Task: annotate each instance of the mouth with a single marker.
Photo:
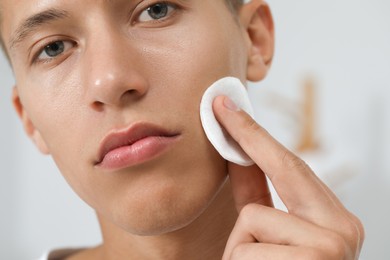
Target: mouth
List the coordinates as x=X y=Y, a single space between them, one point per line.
x=137 y=144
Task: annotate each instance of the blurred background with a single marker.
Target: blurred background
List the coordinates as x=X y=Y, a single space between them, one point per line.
x=326 y=97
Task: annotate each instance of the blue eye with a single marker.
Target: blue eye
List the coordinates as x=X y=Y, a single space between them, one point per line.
x=156 y=12
x=54 y=49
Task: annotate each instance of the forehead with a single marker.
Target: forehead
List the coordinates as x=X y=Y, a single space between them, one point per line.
x=12 y=12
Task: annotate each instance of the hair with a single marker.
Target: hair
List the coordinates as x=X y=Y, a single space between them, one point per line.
x=2 y=45
x=233 y=5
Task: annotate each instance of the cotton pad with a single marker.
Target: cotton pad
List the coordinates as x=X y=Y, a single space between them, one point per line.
x=227 y=147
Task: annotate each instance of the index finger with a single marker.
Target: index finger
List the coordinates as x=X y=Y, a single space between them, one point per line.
x=298 y=187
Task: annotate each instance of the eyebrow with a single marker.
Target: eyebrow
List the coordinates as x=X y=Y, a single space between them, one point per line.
x=35 y=21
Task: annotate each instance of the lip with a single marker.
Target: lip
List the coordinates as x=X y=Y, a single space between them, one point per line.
x=134 y=145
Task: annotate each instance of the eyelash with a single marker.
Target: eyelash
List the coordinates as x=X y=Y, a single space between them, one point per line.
x=172 y=8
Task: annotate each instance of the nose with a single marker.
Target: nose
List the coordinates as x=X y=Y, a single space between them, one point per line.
x=110 y=72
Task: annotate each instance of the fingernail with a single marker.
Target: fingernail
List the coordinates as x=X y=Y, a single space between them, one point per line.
x=229 y=104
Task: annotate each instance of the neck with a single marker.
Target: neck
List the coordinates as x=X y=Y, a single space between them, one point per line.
x=205 y=238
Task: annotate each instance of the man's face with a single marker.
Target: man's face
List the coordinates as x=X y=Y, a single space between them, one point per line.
x=87 y=69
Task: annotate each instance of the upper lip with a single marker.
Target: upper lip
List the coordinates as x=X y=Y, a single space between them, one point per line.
x=128 y=136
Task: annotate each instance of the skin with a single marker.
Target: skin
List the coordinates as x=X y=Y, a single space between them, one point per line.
x=114 y=73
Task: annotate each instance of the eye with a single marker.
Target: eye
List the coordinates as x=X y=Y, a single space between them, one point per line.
x=156 y=12
x=54 y=49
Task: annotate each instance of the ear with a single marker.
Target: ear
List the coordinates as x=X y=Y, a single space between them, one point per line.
x=28 y=125
x=256 y=19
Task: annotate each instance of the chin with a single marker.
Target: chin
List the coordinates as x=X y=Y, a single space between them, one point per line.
x=167 y=210
x=167 y=195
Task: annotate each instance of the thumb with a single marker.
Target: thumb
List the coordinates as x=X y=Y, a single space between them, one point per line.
x=249 y=185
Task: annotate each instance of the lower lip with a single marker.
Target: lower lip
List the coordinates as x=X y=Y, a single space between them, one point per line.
x=141 y=151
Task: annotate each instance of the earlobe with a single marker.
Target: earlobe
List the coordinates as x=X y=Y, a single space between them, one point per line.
x=28 y=125
x=256 y=18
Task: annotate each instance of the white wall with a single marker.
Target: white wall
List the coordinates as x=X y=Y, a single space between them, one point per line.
x=343 y=43
x=8 y=183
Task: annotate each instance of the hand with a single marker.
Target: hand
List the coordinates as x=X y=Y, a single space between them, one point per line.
x=317 y=226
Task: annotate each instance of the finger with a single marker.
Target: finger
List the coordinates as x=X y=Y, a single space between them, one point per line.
x=298 y=187
x=249 y=185
x=263 y=251
x=350 y=226
x=262 y=224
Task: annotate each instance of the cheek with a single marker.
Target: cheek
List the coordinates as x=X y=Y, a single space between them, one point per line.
x=55 y=108
x=188 y=61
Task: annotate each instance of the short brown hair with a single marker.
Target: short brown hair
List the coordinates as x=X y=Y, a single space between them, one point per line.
x=234 y=5
x=2 y=45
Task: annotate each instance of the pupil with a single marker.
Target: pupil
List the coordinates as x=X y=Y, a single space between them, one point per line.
x=158 y=11
x=54 y=49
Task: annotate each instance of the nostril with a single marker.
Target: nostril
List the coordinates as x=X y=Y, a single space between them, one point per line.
x=98 y=106
x=131 y=94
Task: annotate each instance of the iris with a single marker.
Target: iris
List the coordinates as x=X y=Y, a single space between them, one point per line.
x=54 y=49
x=158 y=11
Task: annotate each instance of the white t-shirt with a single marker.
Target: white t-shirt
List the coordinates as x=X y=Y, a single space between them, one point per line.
x=59 y=254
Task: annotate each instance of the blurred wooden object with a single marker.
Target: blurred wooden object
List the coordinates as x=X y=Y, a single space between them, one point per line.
x=308 y=140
